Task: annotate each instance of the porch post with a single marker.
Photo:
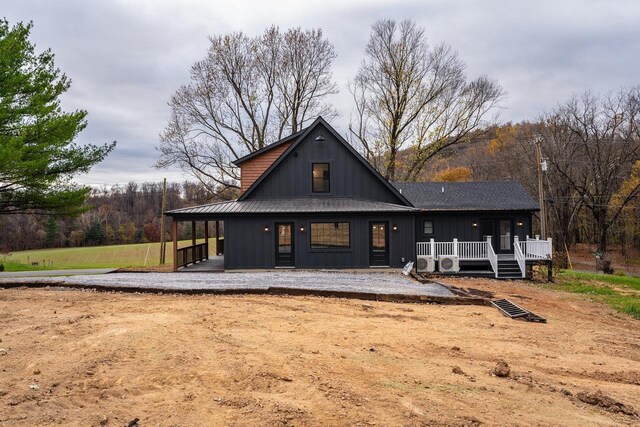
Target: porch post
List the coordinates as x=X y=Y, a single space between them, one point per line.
x=455 y=246
x=206 y=239
x=433 y=247
x=217 y=237
x=174 y=232
x=193 y=233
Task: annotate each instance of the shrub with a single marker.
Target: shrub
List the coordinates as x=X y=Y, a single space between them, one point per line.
x=1 y=267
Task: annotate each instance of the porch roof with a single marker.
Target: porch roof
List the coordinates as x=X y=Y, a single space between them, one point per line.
x=299 y=205
x=468 y=196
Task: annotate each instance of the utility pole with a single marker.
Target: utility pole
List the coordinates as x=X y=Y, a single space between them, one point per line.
x=163 y=243
x=542 y=166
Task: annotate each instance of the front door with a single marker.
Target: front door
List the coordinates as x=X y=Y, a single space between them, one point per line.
x=501 y=232
x=505 y=236
x=378 y=244
x=284 y=245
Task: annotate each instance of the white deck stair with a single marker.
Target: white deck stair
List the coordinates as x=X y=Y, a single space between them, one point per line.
x=504 y=266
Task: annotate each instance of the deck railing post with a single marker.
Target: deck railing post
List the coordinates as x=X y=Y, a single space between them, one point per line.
x=433 y=247
x=206 y=240
x=455 y=246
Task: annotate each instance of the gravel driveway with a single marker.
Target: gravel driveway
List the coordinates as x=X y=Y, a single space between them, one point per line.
x=380 y=283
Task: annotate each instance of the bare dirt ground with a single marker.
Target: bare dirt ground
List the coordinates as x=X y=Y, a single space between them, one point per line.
x=96 y=358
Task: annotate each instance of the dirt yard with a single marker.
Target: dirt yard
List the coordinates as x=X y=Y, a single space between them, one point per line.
x=95 y=358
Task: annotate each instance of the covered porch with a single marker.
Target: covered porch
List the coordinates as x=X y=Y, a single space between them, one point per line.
x=449 y=255
x=197 y=256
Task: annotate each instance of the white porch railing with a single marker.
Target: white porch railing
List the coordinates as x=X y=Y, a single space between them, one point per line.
x=519 y=256
x=535 y=249
x=466 y=251
x=491 y=255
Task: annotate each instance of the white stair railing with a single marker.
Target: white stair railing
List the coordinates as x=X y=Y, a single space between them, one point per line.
x=493 y=258
x=519 y=256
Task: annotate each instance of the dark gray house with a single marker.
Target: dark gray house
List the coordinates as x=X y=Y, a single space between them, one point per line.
x=311 y=201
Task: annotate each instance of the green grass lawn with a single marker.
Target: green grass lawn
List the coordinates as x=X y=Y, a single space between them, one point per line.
x=116 y=256
x=620 y=292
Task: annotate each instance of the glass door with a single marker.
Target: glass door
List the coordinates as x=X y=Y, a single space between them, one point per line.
x=284 y=245
x=378 y=244
x=506 y=235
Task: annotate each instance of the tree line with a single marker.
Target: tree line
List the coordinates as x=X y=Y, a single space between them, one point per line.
x=117 y=215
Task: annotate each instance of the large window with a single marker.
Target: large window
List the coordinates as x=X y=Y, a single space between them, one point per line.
x=329 y=235
x=320 y=177
x=427 y=227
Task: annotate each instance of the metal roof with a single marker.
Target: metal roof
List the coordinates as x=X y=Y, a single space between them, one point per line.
x=300 y=205
x=467 y=196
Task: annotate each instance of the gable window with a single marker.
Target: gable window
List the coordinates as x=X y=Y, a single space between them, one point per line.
x=330 y=235
x=427 y=227
x=320 y=178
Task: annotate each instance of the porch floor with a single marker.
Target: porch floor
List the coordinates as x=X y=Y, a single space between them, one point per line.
x=213 y=264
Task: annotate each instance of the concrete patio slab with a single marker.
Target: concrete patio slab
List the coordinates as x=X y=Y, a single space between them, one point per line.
x=369 y=283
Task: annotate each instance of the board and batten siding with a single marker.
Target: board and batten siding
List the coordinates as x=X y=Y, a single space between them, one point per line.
x=348 y=176
x=459 y=225
x=253 y=168
x=248 y=246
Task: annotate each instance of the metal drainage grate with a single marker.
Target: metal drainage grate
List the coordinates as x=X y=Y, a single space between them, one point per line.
x=514 y=311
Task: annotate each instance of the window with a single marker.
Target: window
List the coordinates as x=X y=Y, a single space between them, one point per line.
x=427 y=227
x=330 y=235
x=320 y=177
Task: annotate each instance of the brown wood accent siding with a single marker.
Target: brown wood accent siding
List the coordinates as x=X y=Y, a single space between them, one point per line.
x=252 y=169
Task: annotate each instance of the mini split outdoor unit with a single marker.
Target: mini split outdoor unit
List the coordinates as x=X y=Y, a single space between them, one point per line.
x=449 y=264
x=425 y=264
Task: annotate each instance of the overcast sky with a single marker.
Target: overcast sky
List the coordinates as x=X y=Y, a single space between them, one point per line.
x=126 y=58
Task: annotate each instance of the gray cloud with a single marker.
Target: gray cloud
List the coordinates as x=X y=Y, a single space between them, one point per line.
x=126 y=58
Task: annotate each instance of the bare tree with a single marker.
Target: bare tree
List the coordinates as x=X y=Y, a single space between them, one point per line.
x=246 y=93
x=593 y=143
x=408 y=94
